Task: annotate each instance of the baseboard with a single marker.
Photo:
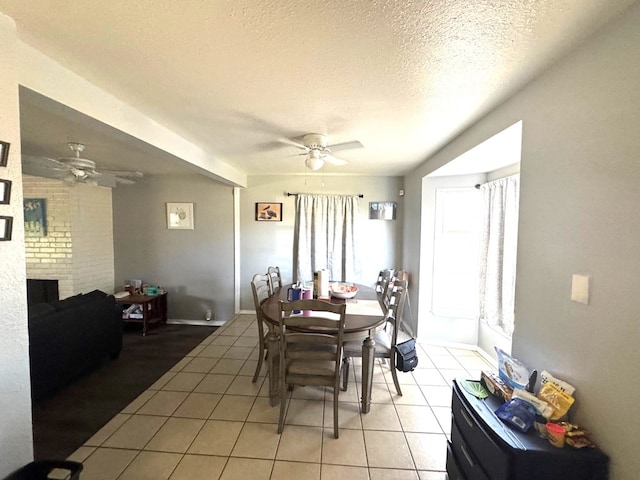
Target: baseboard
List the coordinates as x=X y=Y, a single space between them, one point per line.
x=180 y=321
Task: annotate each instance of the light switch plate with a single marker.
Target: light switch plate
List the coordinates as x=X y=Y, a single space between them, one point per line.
x=580 y=288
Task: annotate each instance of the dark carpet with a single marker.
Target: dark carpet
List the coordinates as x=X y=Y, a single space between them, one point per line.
x=63 y=421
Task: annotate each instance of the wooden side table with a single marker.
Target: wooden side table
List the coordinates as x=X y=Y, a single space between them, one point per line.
x=154 y=309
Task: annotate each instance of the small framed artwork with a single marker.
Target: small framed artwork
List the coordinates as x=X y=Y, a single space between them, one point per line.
x=5 y=192
x=4 y=153
x=35 y=217
x=180 y=216
x=6 y=225
x=382 y=210
x=268 y=212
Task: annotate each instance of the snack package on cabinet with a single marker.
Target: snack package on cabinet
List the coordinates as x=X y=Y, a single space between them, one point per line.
x=560 y=401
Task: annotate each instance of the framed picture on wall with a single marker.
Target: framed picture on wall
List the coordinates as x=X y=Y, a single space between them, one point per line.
x=35 y=217
x=4 y=154
x=180 y=216
x=6 y=225
x=268 y=212
x=382 y=210
x=5 y=192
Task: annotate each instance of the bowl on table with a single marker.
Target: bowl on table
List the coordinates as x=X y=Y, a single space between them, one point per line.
x=343 y=289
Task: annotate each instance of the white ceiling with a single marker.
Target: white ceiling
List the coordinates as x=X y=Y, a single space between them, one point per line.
x=234 y=76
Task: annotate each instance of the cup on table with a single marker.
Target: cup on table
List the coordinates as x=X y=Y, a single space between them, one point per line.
x=556 y=434
x=307 y=294
x=294 y=293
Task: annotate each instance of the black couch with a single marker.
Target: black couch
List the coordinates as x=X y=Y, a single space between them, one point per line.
x=71 y=336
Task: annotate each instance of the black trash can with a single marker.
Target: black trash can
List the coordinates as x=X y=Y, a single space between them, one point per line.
x=48 y=469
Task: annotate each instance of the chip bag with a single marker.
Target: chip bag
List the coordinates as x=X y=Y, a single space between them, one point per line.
x=560 y=401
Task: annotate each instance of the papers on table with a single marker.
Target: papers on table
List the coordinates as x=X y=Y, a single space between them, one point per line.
x=364 y=307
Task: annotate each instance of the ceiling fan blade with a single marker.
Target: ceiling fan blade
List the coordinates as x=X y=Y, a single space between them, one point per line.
x=334 y=160
x=124 y=173
x=292 y=143
x=44 y=162
x=338 y=147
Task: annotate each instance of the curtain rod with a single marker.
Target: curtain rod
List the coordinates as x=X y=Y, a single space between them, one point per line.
x=289 y=194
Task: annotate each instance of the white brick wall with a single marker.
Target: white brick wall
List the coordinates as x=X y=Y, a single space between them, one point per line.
x=78 y=248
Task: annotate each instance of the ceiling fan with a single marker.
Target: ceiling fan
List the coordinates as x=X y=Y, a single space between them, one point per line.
x=317 y=151
x=76 y=169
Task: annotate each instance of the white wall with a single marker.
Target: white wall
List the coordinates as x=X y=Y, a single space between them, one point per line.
x=16 y=446
x=265 y=243
x=195 y=266
x=579 y=202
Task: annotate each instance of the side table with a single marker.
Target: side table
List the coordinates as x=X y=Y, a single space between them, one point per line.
x=154 y=309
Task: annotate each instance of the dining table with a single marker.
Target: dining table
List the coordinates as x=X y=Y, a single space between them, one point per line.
x=364 y=316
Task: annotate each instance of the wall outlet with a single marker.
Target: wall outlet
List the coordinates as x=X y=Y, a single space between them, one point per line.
x=207 y=316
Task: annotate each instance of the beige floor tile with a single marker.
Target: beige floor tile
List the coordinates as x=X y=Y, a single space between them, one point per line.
x=437 y=396
x=429 y=450
x=257 y=440
x=387 y=450
x=348 y=415
x=428 y=376
x=151 y=466
x=200 y=365
x=107 y=463
x=81 y=454
x=378 y=374
x=302 y=444
x=411 y=395
x=447 y=361
x=180 y=365
x=175 y=435
x=249 y=368
x=224 y=340
x=379 y=393
x=451 y=374
x=214 y=383
x=162 y=381
x=304 y=412
x=213 y=351
x=295 y=470
x=227 y=366
x=184 y=382
x=163 y=403
x=233 y=407
x=238 y=353
x=235 y=331
x=309 y=393
x=198 y=405
x=106 y=431
x=217 y=437
x=247 y=468
x=418 y=419
x=138 y=402
x=382 y=416
x=199 y=467
x=135 y=432
x=391 y=474
x=196 y=351
x=246 y=342
x=263 y=412
x=349 y=449
x=426 y=475
x=443 y=414
x=351 y=395
x=341 y=472
x=242 y=385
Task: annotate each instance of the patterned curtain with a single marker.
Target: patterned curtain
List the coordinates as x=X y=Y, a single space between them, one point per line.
x=325 y=236
x=498 y=252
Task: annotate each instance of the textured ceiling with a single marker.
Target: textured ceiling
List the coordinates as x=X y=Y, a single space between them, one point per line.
x=403 y=77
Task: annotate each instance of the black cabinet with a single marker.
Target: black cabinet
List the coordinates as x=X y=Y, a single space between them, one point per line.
x=484 y=448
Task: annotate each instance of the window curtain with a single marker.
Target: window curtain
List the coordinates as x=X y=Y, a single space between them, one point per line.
x=498 y=252
x=325 y=236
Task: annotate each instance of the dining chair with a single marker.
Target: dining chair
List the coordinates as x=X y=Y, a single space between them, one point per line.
x=309 y=354
x=275 y=278
x=261 y=288
x=386 y=284
x=385 y=340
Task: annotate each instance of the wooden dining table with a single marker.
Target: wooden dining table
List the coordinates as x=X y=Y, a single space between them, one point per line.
x=364 y=317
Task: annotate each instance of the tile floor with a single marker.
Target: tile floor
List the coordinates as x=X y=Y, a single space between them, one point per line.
x=204 y=419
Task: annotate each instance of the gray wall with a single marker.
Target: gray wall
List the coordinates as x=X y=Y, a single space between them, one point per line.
x=579 y=197
x=268 y=243
x=195 y=266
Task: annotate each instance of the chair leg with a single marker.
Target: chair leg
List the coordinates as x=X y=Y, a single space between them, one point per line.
x=335 y=411
x=261 y=356
x=283 y=404
x=345 y=373
x=394 y=373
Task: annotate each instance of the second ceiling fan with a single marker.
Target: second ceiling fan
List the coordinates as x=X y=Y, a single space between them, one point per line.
x=318 y=151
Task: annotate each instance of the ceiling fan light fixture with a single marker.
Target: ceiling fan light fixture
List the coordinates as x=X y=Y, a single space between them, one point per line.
x=314 y=160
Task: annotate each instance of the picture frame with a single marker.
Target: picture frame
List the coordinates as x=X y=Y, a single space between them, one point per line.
x=268 y=212
x=35 y=217
x=4 y=153
x=5 y=192
x=6 y=227
x=180 y=216
x=382 y=210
